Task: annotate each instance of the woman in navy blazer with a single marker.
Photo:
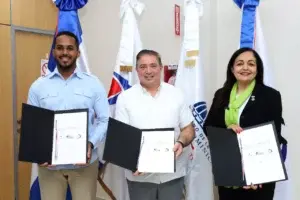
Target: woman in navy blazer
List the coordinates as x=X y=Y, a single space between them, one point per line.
x=255 y=103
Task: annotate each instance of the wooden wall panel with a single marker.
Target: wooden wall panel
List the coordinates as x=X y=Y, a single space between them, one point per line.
x=39 y=14
x=30 y=49
x=5 y=12
x=6 y=116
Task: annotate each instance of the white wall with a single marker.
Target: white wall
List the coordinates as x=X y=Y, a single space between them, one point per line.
x=101 y=24
x=220 y=28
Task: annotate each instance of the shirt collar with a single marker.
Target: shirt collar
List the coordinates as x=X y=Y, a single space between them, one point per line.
x=77 y=72
x=145 y=91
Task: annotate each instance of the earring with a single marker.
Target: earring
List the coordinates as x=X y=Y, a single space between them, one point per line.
x=252 y=98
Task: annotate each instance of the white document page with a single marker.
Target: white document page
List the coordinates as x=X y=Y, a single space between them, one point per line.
x=156 y=154
x=260 y=156
x=70 y=138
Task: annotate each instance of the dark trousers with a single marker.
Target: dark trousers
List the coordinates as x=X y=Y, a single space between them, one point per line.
x=172 y=190
x=264 y=193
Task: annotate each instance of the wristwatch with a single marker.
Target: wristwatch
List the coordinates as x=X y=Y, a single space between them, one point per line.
x=180 y=143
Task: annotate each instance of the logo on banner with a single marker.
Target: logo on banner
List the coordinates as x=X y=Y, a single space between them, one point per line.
x=199 y=111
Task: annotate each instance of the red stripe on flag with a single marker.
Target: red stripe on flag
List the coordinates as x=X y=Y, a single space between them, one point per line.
x=115 y=88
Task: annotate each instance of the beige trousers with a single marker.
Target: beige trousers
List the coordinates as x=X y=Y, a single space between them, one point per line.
x=83 y=183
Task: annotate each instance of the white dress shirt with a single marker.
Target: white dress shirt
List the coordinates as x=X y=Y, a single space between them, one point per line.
x=167 y=109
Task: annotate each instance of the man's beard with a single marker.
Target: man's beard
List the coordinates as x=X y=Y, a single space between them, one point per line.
x=66 y=68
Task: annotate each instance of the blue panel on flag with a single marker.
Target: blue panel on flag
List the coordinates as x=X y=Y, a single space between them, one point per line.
x=117 y=86
x=248 y=21
x=124 y=82
x=35 y=193
x=68 y=5
x=68 y=20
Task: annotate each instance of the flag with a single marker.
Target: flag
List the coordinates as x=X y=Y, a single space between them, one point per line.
x=252 y=36
x=199 y=181
x=67 y=21
x=124 y=76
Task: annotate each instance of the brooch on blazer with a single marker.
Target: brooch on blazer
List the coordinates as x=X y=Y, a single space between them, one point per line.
x=252 y=98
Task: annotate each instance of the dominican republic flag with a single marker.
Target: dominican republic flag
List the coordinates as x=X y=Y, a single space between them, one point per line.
x=252 y=36
x=124 y=76
x=67 y=21
x=190 y=78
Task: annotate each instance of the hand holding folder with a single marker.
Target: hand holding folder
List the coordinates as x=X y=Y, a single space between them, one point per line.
x=149 y=151
x=156 y=153
x=89 y=154
x=53 y=137
x=178 y=149
x=249 y=158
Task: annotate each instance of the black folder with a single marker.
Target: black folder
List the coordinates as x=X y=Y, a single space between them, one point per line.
x=225 y=157
x=123 y=144
x=36 y=138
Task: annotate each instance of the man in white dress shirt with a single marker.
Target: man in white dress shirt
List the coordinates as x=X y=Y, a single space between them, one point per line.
x=155 y=104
